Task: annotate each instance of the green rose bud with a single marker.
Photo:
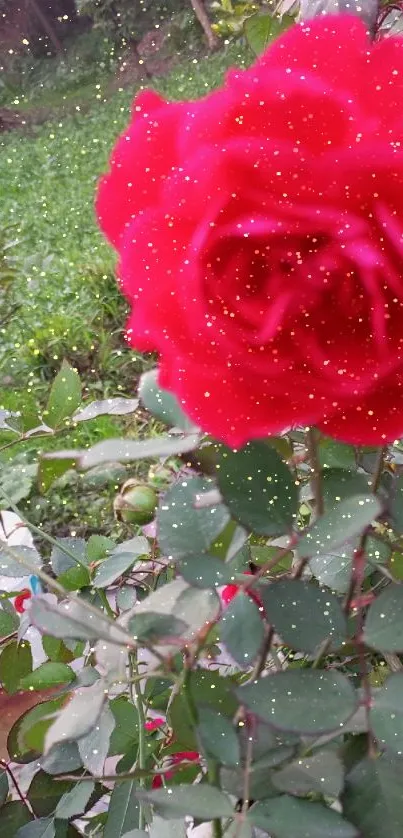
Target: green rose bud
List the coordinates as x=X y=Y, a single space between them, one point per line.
x=136 y=503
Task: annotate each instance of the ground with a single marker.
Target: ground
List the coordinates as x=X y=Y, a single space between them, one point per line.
x=59 y=297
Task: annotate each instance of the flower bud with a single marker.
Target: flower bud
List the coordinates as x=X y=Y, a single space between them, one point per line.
x=136 y=503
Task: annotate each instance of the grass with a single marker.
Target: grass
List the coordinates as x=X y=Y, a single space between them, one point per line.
x=66 y=287
x=63 y=272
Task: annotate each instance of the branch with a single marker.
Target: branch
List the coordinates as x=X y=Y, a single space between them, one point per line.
x=202 y=17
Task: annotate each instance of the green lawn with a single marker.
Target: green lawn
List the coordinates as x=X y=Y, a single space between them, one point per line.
x=69 y=303
x=63 y=284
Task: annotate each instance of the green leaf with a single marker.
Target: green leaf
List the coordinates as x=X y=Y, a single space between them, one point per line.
x=123 y=811
x=15 y=663
x=347 y=520
x=9 y=622
x=301 y=700
x=288 y=817
x=75 y=578
x=61 y=561
x=51 y=470
x=241 y=629
x=166 y=829
x=13 y=816
x=200 y=801
x=126 y=732
x=386 y=714
x=218 y=736
x=94 y=747
x=106 y=407
x=112 y=569
x=303 y=614
x=373 y=797
x=151 y=626
x=205 y=571
x=56 y=650
x=16 y=480
x=194 y=607
x=184 y=530
x=206 y=687
x=71 y=620
x=119 y=562
x=62 y=758
x=44 y=793
x=333 y=454
x=260 y=29
x=160 y=403
x=3 y=787
x=26 y=738
x=64 y=396
x=126 y=597
x=383 y=628
x=339 y=484
x=98 y=546
x=333 y=570
x=77 y=717
x=127 y=450
x=41 y=828
x=321 y=773
x=47 y=675
x=258 y=488
x=260 y=786
x=16 y=561
x=75 y=801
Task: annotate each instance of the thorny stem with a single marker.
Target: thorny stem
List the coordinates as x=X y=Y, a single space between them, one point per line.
x=264 y=652
x=247 y=769
x=316 y=480
x=268 y=566
x=137 y=698
x=355 y=590
x=24 y=800
x=214 y=778
x=355 y=584
x=358 y=574
x=376 y=477
x=212 y=765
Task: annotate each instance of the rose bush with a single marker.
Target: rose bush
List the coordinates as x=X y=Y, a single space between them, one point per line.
x=259 y=233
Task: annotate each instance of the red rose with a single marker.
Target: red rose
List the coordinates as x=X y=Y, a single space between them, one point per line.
x=154 y=724
x=20 y=600
x=230 y=591
x=260 y=236
x=175 y=759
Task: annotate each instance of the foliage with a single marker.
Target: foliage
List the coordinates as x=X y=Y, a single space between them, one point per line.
x=267 y=699
x=239 y=658
x=127 y=21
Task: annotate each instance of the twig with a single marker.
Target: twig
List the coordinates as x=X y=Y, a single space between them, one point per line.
x=212 y=765
x=137 y=698
x=14 y=780
x=355 y=579
x=263 y=654
x=248 y=764
x=250 y=581
x=316 y=479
